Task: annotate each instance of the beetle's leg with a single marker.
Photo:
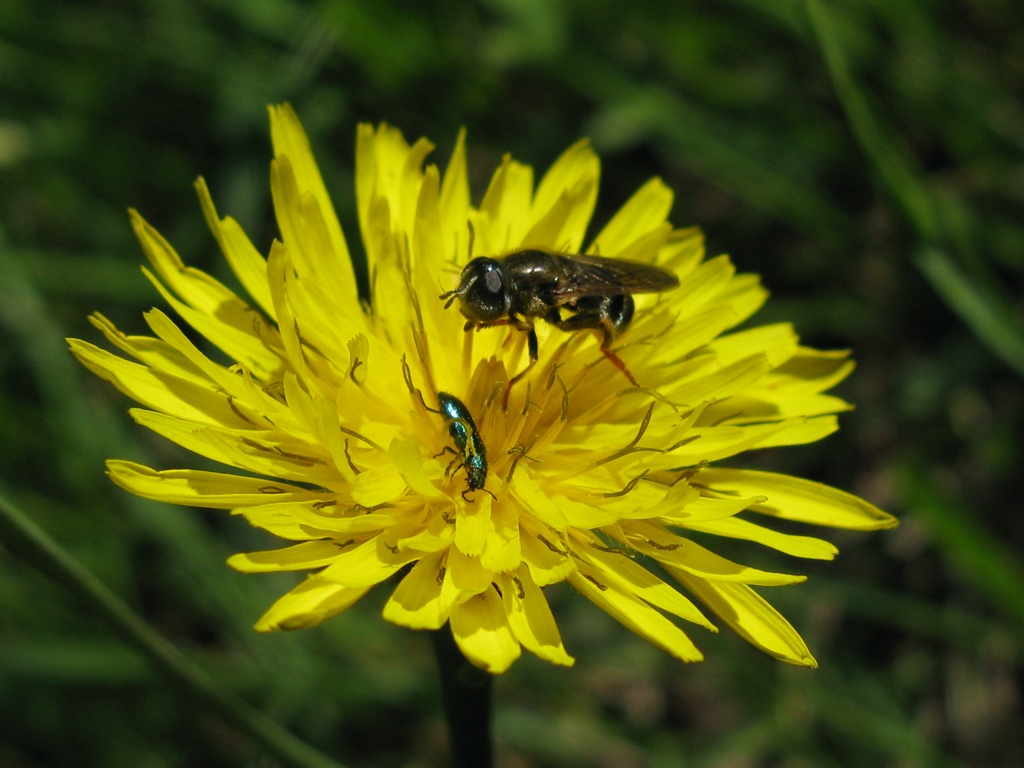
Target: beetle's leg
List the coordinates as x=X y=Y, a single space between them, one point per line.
x=448 y=471
x=470 y=490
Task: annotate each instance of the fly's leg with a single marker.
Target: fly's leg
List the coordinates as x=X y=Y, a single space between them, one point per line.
x=532 y=347
x=531 y=343
x=617 y=362
x=609 y=315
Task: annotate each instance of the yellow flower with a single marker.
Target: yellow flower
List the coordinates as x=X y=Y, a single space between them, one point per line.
x=328 y=404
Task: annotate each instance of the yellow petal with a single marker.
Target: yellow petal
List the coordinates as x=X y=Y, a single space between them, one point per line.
x=194 y=488
x=378 y=485
x=563 y=225
x=246 y=262
x=722 y=383
x=196 y=288
x=298 y=557
x=821 y=370
x=689 y=334
x=312 y=602
x=154 y=353
x=777 y=342
x=793 y=498
x=714 y=443
x=435 y=325
x=530 y=618
x=454 y=203
x=701 y=286
x=325 y=295
x=533 y=499
x=482 y=632
x=405 y=455
x=229 y=381
x=365 y=564
x=279 y=520
x=800 y=432
x=645 y=250
x=797 y=546
x=254 y=451
x=703 y=509
x=761 y=403
x=582 y=515
x=416 y=601
x=290 y=141
x=637 y=616
x=682 y=553
x=616 y=570
x=646 y=210
x=473 y=526
x=301 y=521
x=744 y=294
x=214 y=311
x=468 y=577
x=570 y=188
x=158 y=390
x=750 y=616
x=507 y=207
x=683 y=251
x=548 y=560
x=503 y=549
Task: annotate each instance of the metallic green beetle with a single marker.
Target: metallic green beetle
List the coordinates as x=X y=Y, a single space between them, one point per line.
x=472 y=456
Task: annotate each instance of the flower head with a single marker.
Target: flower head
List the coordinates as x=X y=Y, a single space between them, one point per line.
x=385 y=440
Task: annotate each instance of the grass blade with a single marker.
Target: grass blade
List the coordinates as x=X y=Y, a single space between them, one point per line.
x=26 y=539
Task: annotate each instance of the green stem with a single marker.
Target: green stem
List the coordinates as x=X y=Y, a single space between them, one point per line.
x=466 y=693
x=31 y=543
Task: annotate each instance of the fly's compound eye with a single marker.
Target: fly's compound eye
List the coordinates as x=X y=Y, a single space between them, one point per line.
x=486 y=297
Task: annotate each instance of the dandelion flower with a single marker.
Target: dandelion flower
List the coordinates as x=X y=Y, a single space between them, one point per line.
x=324 y=408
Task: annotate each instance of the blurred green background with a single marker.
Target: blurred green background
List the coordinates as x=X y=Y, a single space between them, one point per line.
x=867 y=158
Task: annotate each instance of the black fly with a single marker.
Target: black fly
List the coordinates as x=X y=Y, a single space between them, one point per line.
x=537 y=284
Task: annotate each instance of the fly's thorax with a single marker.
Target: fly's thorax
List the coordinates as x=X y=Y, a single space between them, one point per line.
x=533 y=277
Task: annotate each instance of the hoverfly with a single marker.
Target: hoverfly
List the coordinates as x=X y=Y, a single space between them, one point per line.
x=534 y=284
x=471 y=454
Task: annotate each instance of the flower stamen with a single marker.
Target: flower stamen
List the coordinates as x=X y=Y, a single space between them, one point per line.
x=307 y=461
x=595 y=582
x=628 y=487
x=547 y=543
x=631 y=446
x=358 y=436
x=233 y=405
x=520 y=592
x=519 y=452
x=348 y=458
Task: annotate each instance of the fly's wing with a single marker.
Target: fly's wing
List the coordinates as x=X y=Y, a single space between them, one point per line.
x=583 y=275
